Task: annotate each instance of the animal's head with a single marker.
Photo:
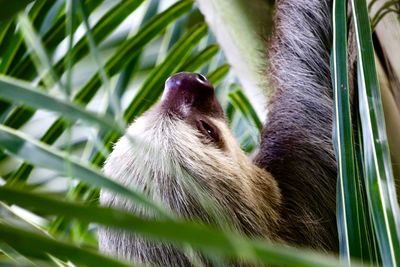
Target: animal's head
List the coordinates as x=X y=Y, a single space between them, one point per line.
x=182 y=153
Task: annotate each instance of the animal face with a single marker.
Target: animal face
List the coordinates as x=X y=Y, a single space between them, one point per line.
x=190 y=98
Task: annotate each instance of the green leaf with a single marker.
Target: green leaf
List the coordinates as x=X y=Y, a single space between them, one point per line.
x=5 y=31
x=371 y=242
x=121 y=57
x=24 y=67
x=11 y=46
x=209 y=240
x=71 y=10
x=113 y=102
x=14 y=43
x=101 y=30
x=20 y=92
x=39 y=55
x=378 y=170
x=39 y=154
x=242 y=103
x=36 y=245
x=11 y=8
x=150 y=30
x=218 y=74
x=128 y=71
x=349 y=202
x=15 y=61
x=200 y=59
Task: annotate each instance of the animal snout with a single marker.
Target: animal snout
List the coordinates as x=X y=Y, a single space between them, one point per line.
x=186 y=93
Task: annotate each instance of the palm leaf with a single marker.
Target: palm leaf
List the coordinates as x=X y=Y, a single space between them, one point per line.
x=39 y=154
x=38 y=246
x=349 y=207
x=21 y=92
x=378 y=170
x=204 y=238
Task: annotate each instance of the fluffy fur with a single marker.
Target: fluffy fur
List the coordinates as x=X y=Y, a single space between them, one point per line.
x=296 y=143
x=286 y=194
x=170 y=161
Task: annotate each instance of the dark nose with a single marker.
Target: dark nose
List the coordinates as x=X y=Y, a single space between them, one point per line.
x=187 y=92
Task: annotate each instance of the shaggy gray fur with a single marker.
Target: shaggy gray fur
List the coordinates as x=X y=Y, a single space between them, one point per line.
x=296 y=142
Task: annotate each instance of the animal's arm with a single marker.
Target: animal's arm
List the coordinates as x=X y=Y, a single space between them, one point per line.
x=296 y=144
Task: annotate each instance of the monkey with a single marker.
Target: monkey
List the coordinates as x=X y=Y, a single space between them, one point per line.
x=181 y=152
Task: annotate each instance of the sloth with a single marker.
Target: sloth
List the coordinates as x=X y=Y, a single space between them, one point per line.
x=181 y=152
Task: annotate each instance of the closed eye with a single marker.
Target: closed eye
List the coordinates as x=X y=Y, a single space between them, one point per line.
x=209 y=131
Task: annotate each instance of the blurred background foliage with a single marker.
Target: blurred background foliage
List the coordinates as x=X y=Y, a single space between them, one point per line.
x=74 y=73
